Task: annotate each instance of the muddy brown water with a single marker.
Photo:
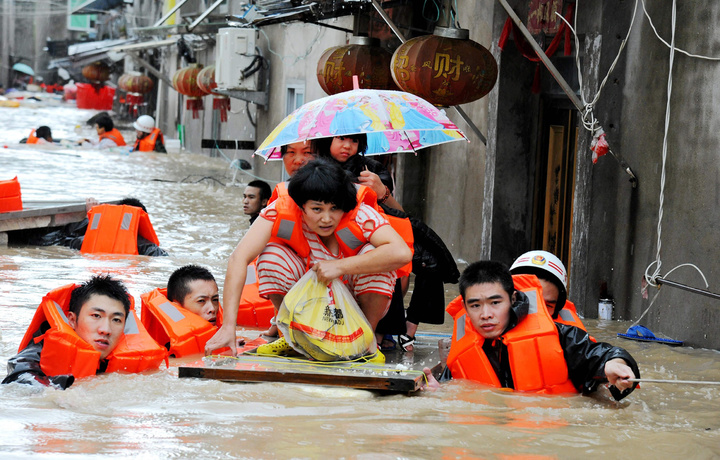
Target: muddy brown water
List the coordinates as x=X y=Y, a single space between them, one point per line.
x=157 y=415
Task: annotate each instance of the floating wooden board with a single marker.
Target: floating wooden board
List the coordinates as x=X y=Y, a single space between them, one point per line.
x=402 y=372
x=37 y=214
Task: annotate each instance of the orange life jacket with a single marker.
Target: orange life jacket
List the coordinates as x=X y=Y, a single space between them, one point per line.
x=536 y=359
x=169 y=323
x=254 y=311
x=279 y=190
x=147 y=143
x=367 y=196
x=113 y=229
x=32 y=138
x=114 y=135
x=64 y=352
x=10 y=196
x=568 y=315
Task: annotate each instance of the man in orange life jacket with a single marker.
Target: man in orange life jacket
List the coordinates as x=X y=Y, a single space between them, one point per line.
x=72 y=235
x=149 y=138
x=495 y=309
x=42 y=135
x=108 y=135
x=195 y=289
x=98 y=310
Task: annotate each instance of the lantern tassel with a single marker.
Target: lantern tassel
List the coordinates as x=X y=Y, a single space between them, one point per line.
x=223 y=105
x=134 y=99
x=195 y=104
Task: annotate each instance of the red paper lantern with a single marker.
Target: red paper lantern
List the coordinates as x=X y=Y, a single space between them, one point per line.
x=363 y=57
x=135 y=83
x=206 y=82
x=185 y=82
x=445 y=68
x=96 y=72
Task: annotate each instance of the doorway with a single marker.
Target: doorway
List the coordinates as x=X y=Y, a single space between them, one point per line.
x=555 y=181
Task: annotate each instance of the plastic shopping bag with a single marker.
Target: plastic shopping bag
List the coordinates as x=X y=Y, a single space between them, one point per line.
x=325 y=322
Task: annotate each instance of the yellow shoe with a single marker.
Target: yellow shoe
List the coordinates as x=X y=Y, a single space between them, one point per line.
x=376 y=358
x=276 y=348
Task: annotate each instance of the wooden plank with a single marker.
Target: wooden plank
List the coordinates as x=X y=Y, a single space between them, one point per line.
x=402 y=372
x=38 y=214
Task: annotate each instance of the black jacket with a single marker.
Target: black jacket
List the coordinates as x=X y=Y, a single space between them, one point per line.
x=25 y=367
x=72 y=235
x=357 y=164
x=585 y=359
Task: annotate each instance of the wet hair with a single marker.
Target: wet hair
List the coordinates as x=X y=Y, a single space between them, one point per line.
x=99 y=285
x=313 y=143
x=105 y=122
x=179 y=281
x=130 y=201
x=324 y=144
x=265 y=191
x=486 y=271
x=44 y=132
x=324 y=181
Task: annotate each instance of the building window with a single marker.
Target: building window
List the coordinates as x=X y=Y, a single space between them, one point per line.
x=295 y=97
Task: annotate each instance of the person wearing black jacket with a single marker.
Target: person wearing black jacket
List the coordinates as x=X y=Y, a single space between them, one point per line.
x=495 y=308
x=98 y=310
x=72 y=235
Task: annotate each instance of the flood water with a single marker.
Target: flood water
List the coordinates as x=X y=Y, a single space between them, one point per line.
x=158 y=415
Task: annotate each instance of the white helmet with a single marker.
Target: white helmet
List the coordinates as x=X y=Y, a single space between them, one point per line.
x=144 y=123
x=541 y=263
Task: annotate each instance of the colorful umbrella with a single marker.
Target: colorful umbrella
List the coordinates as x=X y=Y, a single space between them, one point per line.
x=23 y=68
x=394 y=121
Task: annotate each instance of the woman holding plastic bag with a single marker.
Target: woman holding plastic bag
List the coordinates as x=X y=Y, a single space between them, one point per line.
x=322 y=227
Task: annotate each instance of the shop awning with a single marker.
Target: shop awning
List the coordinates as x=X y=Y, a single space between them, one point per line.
x=82 y=54
x=96 y=6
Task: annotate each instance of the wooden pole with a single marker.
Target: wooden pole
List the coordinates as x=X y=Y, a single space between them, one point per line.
x=679 y=382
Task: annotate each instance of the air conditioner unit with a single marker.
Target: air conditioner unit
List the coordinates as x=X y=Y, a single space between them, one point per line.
x=235 y=52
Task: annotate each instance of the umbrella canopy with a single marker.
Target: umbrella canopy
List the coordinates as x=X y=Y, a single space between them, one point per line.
x=394 y=121
x=23 y=68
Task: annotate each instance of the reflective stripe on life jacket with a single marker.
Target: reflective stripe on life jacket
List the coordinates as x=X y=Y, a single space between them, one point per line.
x=32 y=138
x=568 y=315
x=178 y=329
x=10 y=196
x=113 y=229
x=536 y=359
x=64 y=352
x=147 y=143
x=115 y=136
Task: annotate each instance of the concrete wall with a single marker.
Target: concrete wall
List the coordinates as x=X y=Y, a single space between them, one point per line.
x=615 y=225
x=692 y=185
